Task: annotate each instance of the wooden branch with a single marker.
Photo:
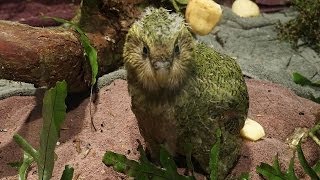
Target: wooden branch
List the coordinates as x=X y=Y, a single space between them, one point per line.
x=42 y=56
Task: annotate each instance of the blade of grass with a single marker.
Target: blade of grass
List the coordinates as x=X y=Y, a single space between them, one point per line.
x=290 y=173
x=25 y=146
x=23 y=170
x=300 y=79
x=53 y=113
x=307 y=169
x=184 y=2
x=268 y=172
x=316 y=167
x=92 y=55
x=214 y=157
x=89 y=49
x=139 y=170
x=276 y=166
x=67 y=173
x=167 y=162
x=244 y=176
x=189 y=159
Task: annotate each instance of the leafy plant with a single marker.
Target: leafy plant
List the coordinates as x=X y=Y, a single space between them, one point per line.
x=303 y=81
x=53 y=112
x=305 y=26
x=214 y=157
x=179 y=4
x=67 y=173
x=89 y=50
x=274 y=172
x=91 y=54
x=244 y=176
x=144 y=169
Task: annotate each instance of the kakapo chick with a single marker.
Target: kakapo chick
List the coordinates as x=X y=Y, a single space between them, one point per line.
x=183 y=91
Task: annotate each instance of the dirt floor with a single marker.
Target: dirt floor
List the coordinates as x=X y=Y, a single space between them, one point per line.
x=31 y=12
x=278 y=109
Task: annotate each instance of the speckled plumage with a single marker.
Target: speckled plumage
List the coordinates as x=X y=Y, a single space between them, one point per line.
x=182 y=91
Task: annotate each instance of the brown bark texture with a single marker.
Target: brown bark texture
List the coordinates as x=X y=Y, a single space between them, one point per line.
x=42 y=56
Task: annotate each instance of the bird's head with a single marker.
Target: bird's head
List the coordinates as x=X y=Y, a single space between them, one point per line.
x=158 y=50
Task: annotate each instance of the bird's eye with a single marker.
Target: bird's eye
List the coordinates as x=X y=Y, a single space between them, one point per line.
x=145 y=51
x=176 y=49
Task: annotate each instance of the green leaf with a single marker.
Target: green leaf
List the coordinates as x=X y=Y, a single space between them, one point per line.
x=53 y=113
x=299 y=79
x=276 y=166
x=140 y=170
x=118 y=161
x=188 y=157
x=67 y=173
x=143 y=157
x=268 y=171
x=317 y=100
x=306 y=167
x=290 y=173
x=23 y=165
x=214 y=157
x=316 y=167
x=167 y=162
x=244 y=176
x=184 y=2
x=23 y=170
x=25 y=146
x=15 y=164
x=91 y=54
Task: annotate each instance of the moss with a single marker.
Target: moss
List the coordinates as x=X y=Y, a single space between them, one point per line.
x=305 y=27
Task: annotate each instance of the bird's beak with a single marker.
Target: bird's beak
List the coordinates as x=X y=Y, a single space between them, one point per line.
x=157 y=65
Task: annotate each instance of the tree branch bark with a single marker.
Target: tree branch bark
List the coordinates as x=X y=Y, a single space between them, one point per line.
x=42 y=56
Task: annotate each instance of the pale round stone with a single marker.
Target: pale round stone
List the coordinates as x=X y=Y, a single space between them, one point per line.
x=252 y=130
x=202 y=15
x=245 y=8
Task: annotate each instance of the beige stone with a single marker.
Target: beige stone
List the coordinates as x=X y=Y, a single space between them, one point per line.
x=245 y=8
x=252 y=130
x=203 y=15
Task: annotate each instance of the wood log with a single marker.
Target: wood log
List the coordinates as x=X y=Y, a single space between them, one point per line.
x=42 y=56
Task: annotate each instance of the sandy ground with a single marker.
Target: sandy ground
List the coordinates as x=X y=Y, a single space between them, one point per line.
x=278 y=109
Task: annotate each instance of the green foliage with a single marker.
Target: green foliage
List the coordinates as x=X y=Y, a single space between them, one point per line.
x=178 y=5
x=22 y=143
x=53 y=112
x=274 y=172
x=316 y=168
x=303 y=81
x=214 y=157
x=244 y=176
x=23 y=165
x=23 y=169
x=306 y=167
x=144 y=169
x=184 y=2
x=67 y=173
x=306 y=26
x=90 y=51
